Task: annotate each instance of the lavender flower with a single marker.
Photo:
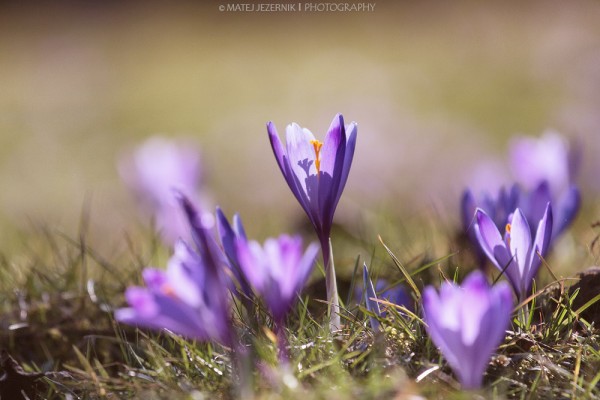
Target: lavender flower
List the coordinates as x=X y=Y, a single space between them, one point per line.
x=516 y=253
x=468 y=323
x=316 y=173
x=184 y=299
x=277 y=271
x=189 y=298
x=154 y=171
x=546 y=167
x=547 y=158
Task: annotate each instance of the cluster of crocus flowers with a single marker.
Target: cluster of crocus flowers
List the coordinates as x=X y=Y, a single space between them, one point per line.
x=468 y=323
x=155 y=171
x=544 y=170
x=316 y=173
x=191 y=296
x=516 y=253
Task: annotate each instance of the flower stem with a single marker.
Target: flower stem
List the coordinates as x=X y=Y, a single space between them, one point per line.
x=333 y=300
x=282 y=343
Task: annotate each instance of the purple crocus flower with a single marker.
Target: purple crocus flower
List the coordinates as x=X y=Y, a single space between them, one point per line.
x=277 y=271
x=189 y=298
x=547 y=158
x=184 y=299
x=154 y=171
x=516 y=253
x=546 y=167
x=468 y=323
x=316 y=173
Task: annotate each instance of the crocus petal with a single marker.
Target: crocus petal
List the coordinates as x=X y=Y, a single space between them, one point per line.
x=566 y=209
x=474 y=304
x=520 y=245
x=334 y=140
x=467 y=208
x=250 y=256
x=301 y=153
x=332 y=155
x=351 y=133
x=535 y=204
x=490 y=240
x=540 y=245
x=284 y=165
x=448 y=340
x=305 y=266
x=154 y=278
x=168 y=314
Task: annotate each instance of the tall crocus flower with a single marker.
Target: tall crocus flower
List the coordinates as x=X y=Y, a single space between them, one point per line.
x=517 y=254
x=189 y=298
x=277 y=270
x=468 y=323
x=316 y=173
x=154 y=172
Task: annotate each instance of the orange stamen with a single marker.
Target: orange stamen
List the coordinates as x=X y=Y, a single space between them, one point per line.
x=317 y=145
x=507 y=228
x=168 y=290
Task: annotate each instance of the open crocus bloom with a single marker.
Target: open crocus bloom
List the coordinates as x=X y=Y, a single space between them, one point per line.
x=515 y=253
x=468 y=323
x=278 y=270
x=316 y=171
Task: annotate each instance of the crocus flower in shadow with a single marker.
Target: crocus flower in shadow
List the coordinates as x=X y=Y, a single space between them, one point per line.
x=191 y=297
x=186 y=299
x=316 y=173
x=229 y=234
x=277 y=271
x=468 y=323
x=516 y=253
x=565 y=207
x=154 y=171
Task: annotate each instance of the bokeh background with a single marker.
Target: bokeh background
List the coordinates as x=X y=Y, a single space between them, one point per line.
x=437 y=88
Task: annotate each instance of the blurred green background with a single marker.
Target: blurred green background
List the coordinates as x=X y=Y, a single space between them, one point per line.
x=436 y=88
